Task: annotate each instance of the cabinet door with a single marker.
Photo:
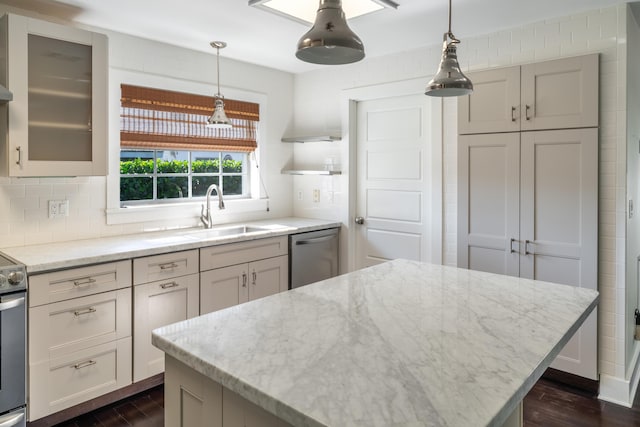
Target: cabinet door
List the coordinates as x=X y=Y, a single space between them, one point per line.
x=268 y=277
x=488 y=187
x=494 y=105
x=58 y=116
x=190 y=398
x=159 y=304
x=559 y=225
x=560 y=94
x=223 y=287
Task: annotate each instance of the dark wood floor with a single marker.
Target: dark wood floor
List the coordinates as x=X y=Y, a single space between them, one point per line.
x=549 y=404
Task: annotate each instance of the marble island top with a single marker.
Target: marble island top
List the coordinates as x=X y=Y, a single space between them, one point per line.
x=399 y=344
x=53 y=256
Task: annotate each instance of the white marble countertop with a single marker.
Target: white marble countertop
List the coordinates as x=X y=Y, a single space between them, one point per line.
x=54 y=256
x=399 y=344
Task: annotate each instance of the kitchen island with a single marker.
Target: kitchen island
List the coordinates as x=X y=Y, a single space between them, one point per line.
x=402 y=343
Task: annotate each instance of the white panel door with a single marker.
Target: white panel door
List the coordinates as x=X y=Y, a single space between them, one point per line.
x=559 y=225
x=488 y=202
x=394 y=183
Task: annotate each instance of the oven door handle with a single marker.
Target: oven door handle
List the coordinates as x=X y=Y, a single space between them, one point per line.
x=7 y=305
x=11 y=420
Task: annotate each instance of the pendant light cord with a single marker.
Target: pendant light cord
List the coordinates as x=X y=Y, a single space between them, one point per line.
x=218 y=67
x=449 y=34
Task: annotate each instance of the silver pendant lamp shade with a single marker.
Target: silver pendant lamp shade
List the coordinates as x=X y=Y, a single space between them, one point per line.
x=218 y=119
x=330 y=41
x=449 y=80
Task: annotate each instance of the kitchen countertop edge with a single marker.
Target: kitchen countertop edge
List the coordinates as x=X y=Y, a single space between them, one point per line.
x=48 y=257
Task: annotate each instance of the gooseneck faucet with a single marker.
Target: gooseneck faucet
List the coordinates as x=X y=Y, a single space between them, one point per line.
x=205 y=216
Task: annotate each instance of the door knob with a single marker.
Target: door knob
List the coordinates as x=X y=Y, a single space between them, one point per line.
x=359 y=220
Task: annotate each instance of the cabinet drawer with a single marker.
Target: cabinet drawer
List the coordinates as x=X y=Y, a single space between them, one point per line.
x=165 y=266
x=75 y=378
x=237 y=253
x=68 y=326
x=78 y=282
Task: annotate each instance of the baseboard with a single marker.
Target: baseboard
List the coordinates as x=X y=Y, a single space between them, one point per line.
x=574 y=381
x=98 y=402
x=619 y=390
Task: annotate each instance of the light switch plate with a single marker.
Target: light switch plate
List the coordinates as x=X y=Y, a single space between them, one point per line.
x=316 y=195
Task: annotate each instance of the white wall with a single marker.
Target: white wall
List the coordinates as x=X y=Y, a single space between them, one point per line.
x=23 y=217
x=633 y=175
x=318 y=93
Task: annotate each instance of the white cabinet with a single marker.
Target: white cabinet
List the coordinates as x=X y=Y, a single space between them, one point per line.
x=159 y=304
x=193 y=400
x=557 y=94
x=79 y=335
x=241 y=272
x=171 y=297
x=528 y=207
x=57 y=121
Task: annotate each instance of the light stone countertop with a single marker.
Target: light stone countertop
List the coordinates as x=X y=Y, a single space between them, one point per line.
x=399 y=344
x=54 y=256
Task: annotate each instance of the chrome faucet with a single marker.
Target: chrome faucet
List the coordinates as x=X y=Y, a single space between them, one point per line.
x=205 y=216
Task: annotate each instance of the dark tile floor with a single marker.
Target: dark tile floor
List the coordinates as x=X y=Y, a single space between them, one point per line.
x=549 y=404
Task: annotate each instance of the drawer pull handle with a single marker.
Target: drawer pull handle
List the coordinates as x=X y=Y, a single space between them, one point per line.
x=254 y=276
x=84 y=364
x=84 y=282
x=79 y=313
x=169 y=265
x=244 y=280
x=169 y=285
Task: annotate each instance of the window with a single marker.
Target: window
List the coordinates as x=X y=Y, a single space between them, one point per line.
x=157 y=175
x=167 y=152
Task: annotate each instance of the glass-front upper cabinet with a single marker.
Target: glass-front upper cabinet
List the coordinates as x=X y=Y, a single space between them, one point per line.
x=57 y=121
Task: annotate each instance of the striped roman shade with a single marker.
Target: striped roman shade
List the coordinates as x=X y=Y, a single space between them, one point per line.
x=166 y=120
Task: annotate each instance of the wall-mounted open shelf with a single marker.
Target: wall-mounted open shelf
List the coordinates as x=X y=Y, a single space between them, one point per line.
x=315 y=138
x=309 y=172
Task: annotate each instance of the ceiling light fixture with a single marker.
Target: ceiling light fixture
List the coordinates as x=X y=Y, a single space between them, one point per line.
x=218 y=119
x=304 y=11
x=449 y=80
x=330 y=41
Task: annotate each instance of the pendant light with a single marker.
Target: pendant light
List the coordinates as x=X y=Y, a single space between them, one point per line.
x=218 y=119
x=330 y=41
x=449 y=80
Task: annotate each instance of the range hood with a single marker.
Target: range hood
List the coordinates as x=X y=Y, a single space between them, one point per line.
x=5 y=95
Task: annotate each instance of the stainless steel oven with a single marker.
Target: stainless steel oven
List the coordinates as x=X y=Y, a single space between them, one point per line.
x=13 y=332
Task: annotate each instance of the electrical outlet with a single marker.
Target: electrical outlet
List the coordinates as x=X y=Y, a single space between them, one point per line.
x=58 y=208
x=300 y=195
x=316 y=195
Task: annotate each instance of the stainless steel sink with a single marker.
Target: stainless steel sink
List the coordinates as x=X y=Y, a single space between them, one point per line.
x=235 y=230
x=240 y=229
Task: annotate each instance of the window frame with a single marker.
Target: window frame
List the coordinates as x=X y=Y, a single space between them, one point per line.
x=179 y=210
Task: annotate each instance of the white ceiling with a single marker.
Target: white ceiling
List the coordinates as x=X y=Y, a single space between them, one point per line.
x=260 y=37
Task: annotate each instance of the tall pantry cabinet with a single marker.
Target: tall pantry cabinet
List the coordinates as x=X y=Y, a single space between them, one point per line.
x=528 y=182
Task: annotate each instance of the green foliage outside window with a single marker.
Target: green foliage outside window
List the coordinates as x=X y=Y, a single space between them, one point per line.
x=141 y=187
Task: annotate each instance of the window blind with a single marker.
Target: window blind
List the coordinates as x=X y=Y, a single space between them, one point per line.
x=166 y=120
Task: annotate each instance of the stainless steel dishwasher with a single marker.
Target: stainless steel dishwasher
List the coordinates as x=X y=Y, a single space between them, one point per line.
x=313 y=256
